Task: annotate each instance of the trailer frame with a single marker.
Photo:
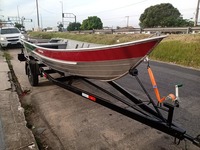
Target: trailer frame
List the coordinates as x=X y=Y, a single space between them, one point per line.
x=146 y=112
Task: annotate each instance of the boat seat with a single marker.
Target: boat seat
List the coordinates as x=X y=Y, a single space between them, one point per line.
x=53 y=45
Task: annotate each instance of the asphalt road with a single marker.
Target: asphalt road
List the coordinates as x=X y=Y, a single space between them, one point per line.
x=67 y=121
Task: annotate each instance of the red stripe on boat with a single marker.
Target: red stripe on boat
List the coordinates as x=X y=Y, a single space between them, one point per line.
x=110 y=53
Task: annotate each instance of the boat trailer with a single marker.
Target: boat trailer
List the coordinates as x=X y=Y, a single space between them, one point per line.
x=147 y=112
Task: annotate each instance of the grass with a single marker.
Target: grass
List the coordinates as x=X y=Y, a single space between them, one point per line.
x=179 y=49
x=28 y=109
x=7 y=56
x=182 y=49
x=92 y=38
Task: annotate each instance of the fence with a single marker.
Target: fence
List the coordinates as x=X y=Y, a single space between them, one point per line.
x=172 y=30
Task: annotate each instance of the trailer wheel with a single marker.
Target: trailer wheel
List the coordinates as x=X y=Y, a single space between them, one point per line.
x=31 y=68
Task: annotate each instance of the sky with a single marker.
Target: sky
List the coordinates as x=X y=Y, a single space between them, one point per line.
x=112 y=13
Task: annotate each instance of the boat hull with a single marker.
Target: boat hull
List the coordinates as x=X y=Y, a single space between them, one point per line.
x=102 y=63
x=102 y=70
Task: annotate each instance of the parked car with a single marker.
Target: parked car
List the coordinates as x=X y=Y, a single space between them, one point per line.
x=10 y=36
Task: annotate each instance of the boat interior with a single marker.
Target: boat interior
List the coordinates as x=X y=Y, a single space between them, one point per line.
x=65 y=44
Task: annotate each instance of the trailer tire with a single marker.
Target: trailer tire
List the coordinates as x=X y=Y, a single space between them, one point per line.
x=31 y=68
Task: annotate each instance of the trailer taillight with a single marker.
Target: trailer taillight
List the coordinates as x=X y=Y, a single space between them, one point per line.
x=89 y=96
x=45 y=75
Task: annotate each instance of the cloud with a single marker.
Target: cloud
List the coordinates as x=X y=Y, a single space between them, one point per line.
x=111 y=12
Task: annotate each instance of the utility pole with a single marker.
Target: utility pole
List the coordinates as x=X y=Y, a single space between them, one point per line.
x=41 y=21
x=62 y=12
x=18 y=13
x=197 y=14
x=38 y=20
x=22 y=20
x=127 y=20
x=75 y=18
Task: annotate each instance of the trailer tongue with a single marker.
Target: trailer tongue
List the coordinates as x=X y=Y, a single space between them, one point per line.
x=142 y=111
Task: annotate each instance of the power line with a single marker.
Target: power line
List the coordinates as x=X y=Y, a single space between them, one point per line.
x=125 y=6
x=113 y=18
x=51 y=12
x=187 y=9
x=31 y=12
x=120 y=17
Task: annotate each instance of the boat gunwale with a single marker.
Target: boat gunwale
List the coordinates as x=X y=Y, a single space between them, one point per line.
x=104 y=47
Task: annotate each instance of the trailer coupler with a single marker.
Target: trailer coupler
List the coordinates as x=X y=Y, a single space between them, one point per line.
x=195 y=141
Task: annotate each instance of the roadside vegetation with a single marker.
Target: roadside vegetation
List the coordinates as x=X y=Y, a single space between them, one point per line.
x=106 y=39
x=182 y=49
x=179 y=49
x=163 y=15
x=7 y=56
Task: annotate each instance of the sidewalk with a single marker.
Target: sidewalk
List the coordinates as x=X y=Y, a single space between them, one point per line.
x=14 y=135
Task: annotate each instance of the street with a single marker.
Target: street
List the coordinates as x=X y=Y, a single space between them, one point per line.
x=63 y=120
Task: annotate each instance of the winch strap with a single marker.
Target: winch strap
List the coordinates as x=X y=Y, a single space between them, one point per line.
x=153 y=81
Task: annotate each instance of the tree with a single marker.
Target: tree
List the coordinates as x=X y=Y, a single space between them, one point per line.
x=0 y=23
x=162 y=15
x=92 y=23
x=184 y=23
x=73 y=26
x=19 y=26
x=60 y=27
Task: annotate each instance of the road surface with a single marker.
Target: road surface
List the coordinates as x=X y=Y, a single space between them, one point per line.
x=63 y=120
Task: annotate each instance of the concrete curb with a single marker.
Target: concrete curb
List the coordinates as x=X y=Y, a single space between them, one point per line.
x=13 y=131
x=2 y=142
